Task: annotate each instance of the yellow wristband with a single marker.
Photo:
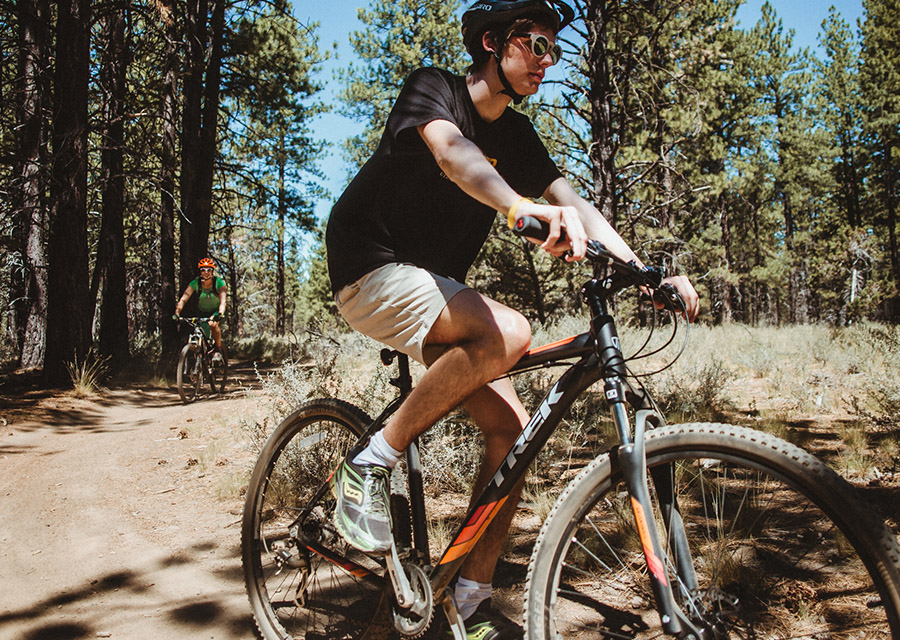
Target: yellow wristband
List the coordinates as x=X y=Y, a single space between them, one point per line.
x=511 y=216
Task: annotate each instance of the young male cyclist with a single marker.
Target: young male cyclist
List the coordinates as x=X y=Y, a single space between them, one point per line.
x=211 y=301
x=402 y=237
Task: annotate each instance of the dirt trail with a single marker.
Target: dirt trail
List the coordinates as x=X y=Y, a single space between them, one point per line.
x=110 y=520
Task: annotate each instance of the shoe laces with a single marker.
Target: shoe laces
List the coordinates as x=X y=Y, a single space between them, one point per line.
x=375 y=487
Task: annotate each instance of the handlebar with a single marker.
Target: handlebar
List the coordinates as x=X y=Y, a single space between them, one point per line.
x=628 y=273
x=192 y=321
x=530 y=227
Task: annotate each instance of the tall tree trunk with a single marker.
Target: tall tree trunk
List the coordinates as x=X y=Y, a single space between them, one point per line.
x=199 y=130
x=191 y=123
x=849 y=177
x=30 y=318
x=603 y=148
x=726 y=311
x=890 y=202
x=108 y=286
x=234 y=308
x=279 y=250
x=166 y=260
x=537 y=291
x=69 y=317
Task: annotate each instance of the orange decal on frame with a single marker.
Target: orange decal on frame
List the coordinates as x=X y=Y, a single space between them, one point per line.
x=472 y=531
x=655 y=564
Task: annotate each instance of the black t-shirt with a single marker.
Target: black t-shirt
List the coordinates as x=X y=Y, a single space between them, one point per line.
x=400 y=207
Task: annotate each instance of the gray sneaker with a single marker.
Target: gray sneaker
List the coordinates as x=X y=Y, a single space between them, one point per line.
x=363 y=514
x=485 y=624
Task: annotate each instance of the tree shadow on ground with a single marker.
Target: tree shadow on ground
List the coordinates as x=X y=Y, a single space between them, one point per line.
x=105 y=601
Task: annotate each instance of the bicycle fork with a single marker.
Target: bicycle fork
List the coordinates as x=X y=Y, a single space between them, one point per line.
x=632 y=459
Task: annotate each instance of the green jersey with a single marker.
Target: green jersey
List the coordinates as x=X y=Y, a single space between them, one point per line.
x=208 y=302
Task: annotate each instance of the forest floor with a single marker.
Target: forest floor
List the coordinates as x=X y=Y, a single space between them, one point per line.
x=120 y=513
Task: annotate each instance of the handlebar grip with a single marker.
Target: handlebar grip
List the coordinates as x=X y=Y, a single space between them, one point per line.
x=530 y=227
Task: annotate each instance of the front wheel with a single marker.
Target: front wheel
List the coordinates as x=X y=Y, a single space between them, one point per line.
x=303 y=580
x=218 y=371
x=190 y=373
x=780 y=545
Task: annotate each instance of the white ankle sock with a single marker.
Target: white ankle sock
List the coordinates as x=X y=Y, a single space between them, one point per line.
x=379 y=452
x=469 y=594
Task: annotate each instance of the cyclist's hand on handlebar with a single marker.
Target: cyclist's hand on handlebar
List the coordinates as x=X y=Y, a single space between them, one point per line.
x=176 y=317
x=566 y=231
x=685 y=290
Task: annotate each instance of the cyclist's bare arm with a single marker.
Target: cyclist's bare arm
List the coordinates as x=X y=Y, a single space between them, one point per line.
x=188 y=292
x=222 y=298
x=464 y=163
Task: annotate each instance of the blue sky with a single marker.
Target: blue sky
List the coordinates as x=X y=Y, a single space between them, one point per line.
x=338 y=18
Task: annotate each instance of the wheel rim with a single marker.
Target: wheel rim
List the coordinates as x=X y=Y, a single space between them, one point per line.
x=770 y=563
x=189 y=374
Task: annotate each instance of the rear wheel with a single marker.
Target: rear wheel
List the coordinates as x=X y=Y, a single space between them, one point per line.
x=190 y=372
x=780 y=545
x=303 y=580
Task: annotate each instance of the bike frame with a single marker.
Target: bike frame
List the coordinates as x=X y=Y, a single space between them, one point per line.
x=599 y=358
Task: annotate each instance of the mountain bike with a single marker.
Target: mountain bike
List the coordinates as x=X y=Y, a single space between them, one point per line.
x=197 y=362
x=694 y=531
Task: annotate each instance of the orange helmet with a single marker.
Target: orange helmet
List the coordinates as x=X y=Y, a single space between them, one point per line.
x=206 y=262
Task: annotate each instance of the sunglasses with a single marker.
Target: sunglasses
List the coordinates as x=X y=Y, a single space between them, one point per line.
x=202 y=269
x=540 y=46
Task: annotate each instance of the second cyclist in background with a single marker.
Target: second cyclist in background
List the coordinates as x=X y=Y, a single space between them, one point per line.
x=211 y=301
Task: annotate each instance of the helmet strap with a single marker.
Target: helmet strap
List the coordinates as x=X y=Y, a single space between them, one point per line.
x=507 y=87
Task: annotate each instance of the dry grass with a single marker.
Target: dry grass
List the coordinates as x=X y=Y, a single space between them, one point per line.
x=87 y=374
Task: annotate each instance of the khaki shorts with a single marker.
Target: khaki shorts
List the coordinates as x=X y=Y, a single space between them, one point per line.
x=397 y=304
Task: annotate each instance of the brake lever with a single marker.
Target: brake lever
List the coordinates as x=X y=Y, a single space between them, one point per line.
x=666 y=295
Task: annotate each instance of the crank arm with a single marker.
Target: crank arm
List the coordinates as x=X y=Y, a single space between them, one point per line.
x=457 y=626
x=406 y=598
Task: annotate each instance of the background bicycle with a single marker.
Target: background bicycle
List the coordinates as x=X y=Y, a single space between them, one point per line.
x=197 y=362
x=756 y=537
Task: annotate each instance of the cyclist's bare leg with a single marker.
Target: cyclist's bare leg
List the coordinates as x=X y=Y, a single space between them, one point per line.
x=215 y=332
x=483 y=340
x=499 y=414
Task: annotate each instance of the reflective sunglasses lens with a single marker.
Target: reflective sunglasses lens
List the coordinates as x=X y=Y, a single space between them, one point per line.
x=540 y=46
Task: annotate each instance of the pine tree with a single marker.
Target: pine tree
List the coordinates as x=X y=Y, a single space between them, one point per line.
x=400 y=36
x=68 y=321
x=840 y=256
x=880 y=83
x=273 y=96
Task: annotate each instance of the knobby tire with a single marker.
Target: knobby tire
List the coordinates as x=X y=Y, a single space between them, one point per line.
x=189 y=375
x=782 y=546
